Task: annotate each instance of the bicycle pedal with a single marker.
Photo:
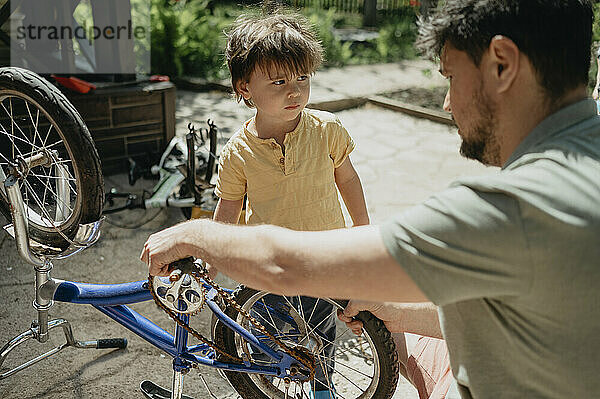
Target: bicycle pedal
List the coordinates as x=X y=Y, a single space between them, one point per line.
x=153 y=391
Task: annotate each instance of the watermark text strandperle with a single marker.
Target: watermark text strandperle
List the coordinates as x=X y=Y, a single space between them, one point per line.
x=80 y=32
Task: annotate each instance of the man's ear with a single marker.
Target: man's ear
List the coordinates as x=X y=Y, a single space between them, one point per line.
x=503 y=62
x=241 y=88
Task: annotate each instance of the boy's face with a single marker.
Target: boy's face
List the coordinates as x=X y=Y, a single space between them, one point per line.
x=275 y=95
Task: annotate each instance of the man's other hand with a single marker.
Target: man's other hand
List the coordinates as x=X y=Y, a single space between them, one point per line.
x=388 y=312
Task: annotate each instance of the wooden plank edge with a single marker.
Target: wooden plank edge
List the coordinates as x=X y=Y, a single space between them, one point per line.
x=410 y=109
x=338 y=105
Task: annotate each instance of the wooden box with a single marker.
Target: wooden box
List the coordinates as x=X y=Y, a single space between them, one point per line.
x=132 y=120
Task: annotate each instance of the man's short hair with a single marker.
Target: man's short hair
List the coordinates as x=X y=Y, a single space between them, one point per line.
x=282 y=41
x=554 y=34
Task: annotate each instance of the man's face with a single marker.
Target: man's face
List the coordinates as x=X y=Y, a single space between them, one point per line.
x=471 y=108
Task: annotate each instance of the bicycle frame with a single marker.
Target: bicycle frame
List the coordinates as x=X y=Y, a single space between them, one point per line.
x=112 y=300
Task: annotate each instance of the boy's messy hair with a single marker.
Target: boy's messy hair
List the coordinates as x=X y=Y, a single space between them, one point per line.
x=280 y=41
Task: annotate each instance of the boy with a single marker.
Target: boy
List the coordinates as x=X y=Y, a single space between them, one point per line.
x=287 y=160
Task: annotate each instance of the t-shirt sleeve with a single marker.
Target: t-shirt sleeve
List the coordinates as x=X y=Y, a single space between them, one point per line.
x=231 y=181
x=462 y=244
x=340 y=143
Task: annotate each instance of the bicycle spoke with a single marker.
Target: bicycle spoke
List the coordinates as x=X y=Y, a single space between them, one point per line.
x=13 y=140
x=272 y=324
x=269 y=313
x=42 y=207
x=337 y=362
x=350 y=381
x=316 y=327
x=324 y=368
x=14 y=147
x=338 y=338
x=48 y=188
x=6 y=159
x=35 y=124
x=307 y=336
x=71 y=179
x=313 y=310
x=347 y=350
x=57 y=178
x=36 y=200
x=45 y=191
x=13 y=123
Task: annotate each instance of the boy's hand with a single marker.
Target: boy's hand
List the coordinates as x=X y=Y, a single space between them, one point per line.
x=165 y=247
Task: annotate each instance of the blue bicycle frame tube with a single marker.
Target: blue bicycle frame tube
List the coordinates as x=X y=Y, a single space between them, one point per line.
x=102 y=294
x=110 y=299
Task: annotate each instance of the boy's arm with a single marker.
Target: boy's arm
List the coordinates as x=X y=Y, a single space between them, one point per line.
x=226 y=212
x=348 y=183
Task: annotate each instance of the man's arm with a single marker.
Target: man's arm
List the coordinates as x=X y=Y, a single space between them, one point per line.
x=348 y=183
x=345 y=263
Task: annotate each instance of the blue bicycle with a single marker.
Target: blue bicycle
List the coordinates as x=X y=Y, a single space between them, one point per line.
x=268 y=346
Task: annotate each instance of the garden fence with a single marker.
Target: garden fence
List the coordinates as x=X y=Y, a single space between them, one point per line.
x=383 y=7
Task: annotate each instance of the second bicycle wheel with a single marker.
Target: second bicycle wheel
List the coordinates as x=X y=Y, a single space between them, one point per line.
x=347 y=366
x=65 y=188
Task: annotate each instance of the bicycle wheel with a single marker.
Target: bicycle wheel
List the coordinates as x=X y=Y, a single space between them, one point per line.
x=37 y=120
x=348 y=366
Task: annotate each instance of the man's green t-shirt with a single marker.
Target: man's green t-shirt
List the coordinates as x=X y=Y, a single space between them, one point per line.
x=513 y=261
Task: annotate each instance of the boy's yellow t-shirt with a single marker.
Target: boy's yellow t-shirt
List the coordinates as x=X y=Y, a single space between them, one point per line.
x=296 y=190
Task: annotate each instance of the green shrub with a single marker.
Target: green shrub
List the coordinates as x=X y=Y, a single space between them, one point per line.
x=324 y=21
x=395 y=41
x=188 y=39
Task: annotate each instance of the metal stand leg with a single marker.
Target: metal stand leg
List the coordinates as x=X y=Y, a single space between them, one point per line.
x=44 y=284
x=177 y=391
x=34 y=333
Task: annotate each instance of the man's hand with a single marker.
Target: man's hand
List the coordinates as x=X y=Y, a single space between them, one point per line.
x=389 y=313
x=211 y=271
x=165 y=247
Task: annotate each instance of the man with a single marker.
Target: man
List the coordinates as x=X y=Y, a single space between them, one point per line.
x=511 y=259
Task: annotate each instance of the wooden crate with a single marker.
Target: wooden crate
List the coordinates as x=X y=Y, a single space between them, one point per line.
x=135 y=120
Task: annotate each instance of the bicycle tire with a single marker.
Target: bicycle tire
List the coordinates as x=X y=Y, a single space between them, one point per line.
x=379 y=339
x=41 y=119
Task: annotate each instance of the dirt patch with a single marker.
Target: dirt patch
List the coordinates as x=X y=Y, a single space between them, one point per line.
x=432 y=98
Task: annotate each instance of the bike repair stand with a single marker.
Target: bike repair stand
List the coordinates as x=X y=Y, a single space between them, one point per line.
x=40 y=256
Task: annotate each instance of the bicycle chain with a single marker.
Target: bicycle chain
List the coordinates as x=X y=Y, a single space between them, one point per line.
x=198 y=273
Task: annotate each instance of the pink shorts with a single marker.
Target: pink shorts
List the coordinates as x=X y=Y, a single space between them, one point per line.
x=428 y=368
